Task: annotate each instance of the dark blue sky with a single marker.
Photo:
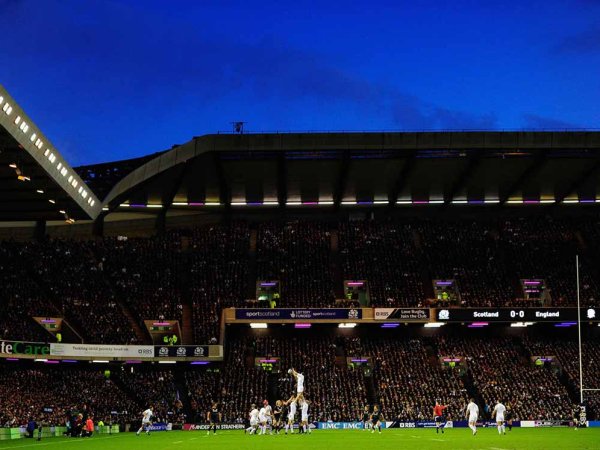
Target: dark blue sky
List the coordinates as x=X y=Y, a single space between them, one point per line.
x=108 y=79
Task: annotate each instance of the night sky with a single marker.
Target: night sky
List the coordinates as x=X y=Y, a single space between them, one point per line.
x=108 y=79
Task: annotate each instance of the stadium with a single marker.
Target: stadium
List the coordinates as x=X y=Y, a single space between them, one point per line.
x=394 y=270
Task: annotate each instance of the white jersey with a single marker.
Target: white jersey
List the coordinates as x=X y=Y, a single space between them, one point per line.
x=500 y=409
x=292 y=413
x=473 y=410
x=262 y=415
x=304 y=412
x=146 y=415
x=268 y=413
x=300 y=383
x=254 y=416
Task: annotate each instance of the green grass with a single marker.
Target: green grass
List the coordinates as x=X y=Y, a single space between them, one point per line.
x=455 y=439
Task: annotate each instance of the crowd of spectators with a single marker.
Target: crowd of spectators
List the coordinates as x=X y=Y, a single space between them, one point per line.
x=217 y=274
x=408 y=381
x=49 y=394
x=501 y=372
x=336 y=391
x=298 y=254
x=384 y=254
x=234 y=386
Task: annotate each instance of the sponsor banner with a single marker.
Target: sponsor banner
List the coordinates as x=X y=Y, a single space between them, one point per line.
x=266 y=314
x=160 y=426
x=593 y=423
x=221 y=426
x=102 y=351
x=402 y=314
x=343 y=425
x=417 y=424
x=515 y=314
x=18 y=348
x=551 y=423
x=181 y=351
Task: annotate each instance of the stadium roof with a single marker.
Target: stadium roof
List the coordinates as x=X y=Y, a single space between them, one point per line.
x=343 y=169
x=36 y=182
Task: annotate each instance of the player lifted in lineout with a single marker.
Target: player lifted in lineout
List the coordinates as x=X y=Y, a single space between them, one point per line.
x=299 y=377
x=146 y=421
x=438 y=416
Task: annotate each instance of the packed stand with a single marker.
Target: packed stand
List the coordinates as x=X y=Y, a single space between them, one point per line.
x=234 y=386
x=298 y=254
x=469 y=253
x=20 y=298
x=546 y=248
x=69 y=271
x=29 y=391
x=384 y=254
x=156 y=388
x=501 y=372
x=408 y=381
x=217 y=274
x=146 y=274
x=567 y=354
x=336 y=392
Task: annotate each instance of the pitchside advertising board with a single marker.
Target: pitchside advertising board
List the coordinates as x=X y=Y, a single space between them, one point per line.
x=102 y=351
x=515 y=314
x=221 y=426
x=298 y=314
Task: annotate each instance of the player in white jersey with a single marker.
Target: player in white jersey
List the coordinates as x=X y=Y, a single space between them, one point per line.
x=291 y=414
x=253 y=420
x=498 y=412
x=262 y=420
x=472 y=415
x=146 y=421
x=299 y=384
x=304 y=416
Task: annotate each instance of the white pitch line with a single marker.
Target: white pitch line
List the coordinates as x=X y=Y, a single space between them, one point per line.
x=177 y=442
x=53 y=443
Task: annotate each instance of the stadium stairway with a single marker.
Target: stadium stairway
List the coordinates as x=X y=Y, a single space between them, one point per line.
x=336 y=265
x=183 y=392
x=143 y=336
x=251 y=268
x=187 y=327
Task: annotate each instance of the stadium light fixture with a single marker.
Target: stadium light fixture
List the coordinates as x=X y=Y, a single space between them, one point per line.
x=390 y=325
x=212 y=204
x=570 y=200
x=491 y=201
x=70 y=361
x=179 y=203
x=478 y=324
x=12 y=165
x=434 y=324
x=12 y=359
x=152 y=205
x=325 y=202
x=40 y=191
x=436 y=202
x=348 y=202
x=347 y=325
x=17 y=120
x=403 y=202
x=167 y=362
x=381 y=202
x=40 y=360
x=51 y=201
x=420 y=202
x=293 y=203
x=259 y=325
x=238 y=203
x=459 y=202
x=270 y=203
x=199 y=363
x=62 y=211
x=100 y=361
x=33 y=136
x=1 y=99
x=52 y=361
x=302 y=325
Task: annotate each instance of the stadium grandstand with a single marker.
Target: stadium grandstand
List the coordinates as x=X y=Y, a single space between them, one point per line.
x=390 y=269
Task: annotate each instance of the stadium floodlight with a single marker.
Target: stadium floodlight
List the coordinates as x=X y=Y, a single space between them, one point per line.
x=100 y=361
x=51 y=201
x=404 y=202
x=62 y=211
x=1 y=99
x=212 y=204
x=381 y=202
x=347 y=325
x=151 y=205
x=491 y=201
x=33 y=136
x=326 y=202
x=270 y=203
x=179 y=204
x=294 y=203
x=547 y=201
x=238 y=203
x=40 y=191
x=459 y=202
x=570 y=200
x=17 y=120
x=521 y=324
x=436 y=202
x=12 y=165
x=258 y=325
x=348 y=202
x=434 y=324
x=167 y=362
x=302 y=325
x=40 y=360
